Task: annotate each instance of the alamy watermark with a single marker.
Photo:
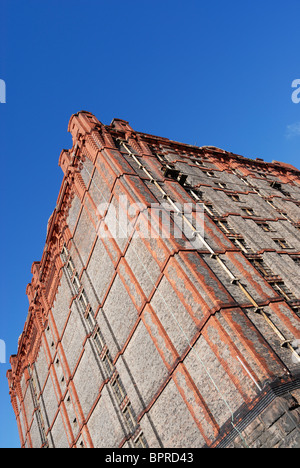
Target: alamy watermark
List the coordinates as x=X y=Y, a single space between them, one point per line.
x=2 y=92
x=296 y=346
x=2 y=352
x=296 y=93
x=178 y=221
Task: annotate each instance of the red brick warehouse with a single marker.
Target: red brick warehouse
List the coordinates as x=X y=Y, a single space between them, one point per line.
x=163 y=340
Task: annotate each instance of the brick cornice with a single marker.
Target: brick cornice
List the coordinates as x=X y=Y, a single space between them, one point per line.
x=222 y=156
x=83 y=126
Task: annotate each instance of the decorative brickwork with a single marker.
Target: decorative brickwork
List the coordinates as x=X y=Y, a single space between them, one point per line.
x=162 y=340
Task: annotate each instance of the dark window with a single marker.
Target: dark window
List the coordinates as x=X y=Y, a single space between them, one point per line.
x=128 y=415
x=119 y=389
x=264 y=226
x=262 y=267
x=140 y=442
x=282 y=243
x=284 y=291
x=248 y=211
x=107 y=361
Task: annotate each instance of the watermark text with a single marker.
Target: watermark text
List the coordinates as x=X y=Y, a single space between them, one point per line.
x=2 y=352
x=296 y=347
x=296 y=93
x=2 y=92
x=178 y=221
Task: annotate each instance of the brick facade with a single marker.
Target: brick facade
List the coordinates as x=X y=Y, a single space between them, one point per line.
x=160 y=340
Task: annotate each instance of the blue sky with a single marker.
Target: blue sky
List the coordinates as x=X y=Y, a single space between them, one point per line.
x=206 y=73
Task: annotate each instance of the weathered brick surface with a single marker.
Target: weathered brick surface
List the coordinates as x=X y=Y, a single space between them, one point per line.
x=61 y=305
x=141 y=376
x=41 y=368
x=73 y=338
x=276 y=427
x=88 y=379
x=58 y=434
x=84 y=236
x=216 y=387
x=119 y=312
x=111 y=430
x=173 y=421
x=143 y=265
x=29 y=405
x=179 y=325
x=73 y=213
x=50 y=399
x=100 y=272
x=35 y=433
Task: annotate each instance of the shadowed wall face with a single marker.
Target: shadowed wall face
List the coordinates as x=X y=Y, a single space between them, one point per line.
x=165 y=309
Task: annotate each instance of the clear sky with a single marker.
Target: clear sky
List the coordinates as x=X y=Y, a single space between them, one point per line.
x=202 y=72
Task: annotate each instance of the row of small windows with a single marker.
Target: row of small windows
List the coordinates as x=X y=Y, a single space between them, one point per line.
x=227 y=229
x=199 y=160
x=241 y=243
x=118 y=388
x=274 y=280
x=110 y=370
x=247 y=211
x=161 y=152
x=278 y=285
x=274 y=184
x=250 y=211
